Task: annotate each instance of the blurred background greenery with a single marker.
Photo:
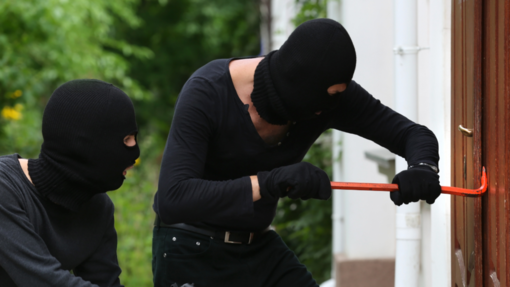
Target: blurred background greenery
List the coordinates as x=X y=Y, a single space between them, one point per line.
x=148 y=48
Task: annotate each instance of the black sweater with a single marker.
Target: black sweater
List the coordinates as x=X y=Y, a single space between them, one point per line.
x=213 y=148
x=41 y=241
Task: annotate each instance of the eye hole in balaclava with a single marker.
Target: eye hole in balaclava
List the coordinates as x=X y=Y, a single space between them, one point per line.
x=333 y=96
x=323 y=104
x=130 y=140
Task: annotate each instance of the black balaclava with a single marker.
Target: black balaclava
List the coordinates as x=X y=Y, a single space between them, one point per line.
x=83 y=153
x=291 y=84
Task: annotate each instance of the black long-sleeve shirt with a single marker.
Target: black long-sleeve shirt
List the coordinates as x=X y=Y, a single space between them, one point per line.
x=213 y=148
x=41 y=241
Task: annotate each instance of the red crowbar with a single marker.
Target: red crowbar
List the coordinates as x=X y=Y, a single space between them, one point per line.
x=394 y=187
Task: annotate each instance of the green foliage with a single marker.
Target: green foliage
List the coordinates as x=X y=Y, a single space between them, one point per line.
x=184 y=35
x=22 y=136
x=45 y=43
x=310 y=9
x=148 y=48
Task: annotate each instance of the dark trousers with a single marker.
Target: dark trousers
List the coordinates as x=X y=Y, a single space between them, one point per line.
x=180 y=257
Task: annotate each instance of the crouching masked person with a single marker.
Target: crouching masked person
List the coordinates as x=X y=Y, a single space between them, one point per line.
x=55 y=216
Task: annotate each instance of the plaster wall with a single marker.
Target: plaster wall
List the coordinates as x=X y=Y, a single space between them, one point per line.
x=439 y=119
x=281 y=26
x=424 y=106
x=367 y=229
x=369 y=217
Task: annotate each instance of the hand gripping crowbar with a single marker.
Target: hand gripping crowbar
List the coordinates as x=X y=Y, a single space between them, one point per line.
x=394 y=187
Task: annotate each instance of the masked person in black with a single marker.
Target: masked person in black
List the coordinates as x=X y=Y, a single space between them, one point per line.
x=55 y=216
x=240 y=130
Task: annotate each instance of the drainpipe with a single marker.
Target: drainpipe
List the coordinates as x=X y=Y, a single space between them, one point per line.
x=408 y=235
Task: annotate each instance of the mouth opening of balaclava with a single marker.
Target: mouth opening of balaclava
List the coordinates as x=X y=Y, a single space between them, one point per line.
x=291 y=84
x=83 y=153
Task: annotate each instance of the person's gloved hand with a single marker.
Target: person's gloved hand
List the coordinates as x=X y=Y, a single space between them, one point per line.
x=300 y=180
x=417 y=183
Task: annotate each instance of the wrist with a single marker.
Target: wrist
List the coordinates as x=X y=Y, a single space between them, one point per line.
x=423 y=165
x=267 y=191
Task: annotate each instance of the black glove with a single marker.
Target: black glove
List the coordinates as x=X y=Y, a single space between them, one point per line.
x=300 y=180
x=417 y=183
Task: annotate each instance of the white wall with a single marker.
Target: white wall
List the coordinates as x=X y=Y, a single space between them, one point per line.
x=368 y=226
x=369 y=217
x=440 y=89
x=282 y=13
x=424 y=107
x=365 y=221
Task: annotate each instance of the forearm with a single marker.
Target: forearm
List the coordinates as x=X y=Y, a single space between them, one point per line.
x=24 y=255
x=26 y=259
x=195 y=199
x=422 y=146
x=362 y=114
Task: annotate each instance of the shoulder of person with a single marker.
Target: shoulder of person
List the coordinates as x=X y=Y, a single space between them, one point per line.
x=8 y=162
x=100 y=204
x=213 y=70
x=10 y=168
x=211 y=80
x=13 y=182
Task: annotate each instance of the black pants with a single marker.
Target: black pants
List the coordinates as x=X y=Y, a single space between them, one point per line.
x=180 y=257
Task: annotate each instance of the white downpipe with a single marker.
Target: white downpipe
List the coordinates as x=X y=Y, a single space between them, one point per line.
x=408 y=235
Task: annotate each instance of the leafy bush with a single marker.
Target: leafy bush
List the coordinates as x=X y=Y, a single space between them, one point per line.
x=148 y=48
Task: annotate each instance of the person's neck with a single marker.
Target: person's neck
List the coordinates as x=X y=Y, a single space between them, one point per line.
x=242 y=73
x=24 y=166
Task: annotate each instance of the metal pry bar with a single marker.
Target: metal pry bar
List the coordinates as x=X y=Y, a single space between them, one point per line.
x=394 y=187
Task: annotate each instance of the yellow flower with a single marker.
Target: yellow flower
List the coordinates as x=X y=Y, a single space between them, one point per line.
x=12 y=113
x=16 y=94
x=18 y=107
x=137 y=161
